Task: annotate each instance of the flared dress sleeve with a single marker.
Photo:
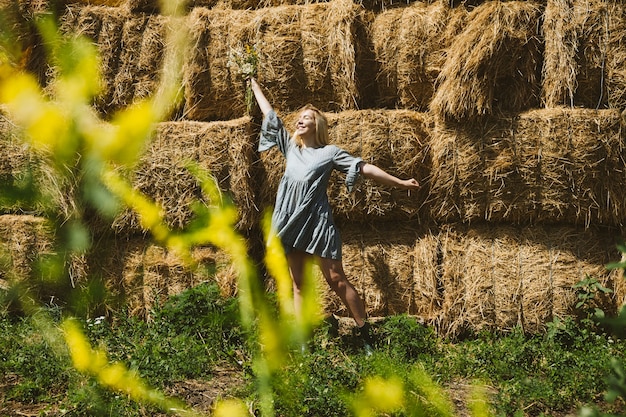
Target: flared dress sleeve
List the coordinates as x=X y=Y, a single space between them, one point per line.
x=273 y=133
x=349 y=165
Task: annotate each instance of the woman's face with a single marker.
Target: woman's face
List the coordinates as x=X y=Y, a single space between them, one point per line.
x=306 y=123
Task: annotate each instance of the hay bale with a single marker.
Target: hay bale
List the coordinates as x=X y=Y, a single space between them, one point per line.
x=222 y=148
x=548 y=166
x=378 y=263
x=139 y=275
x=493 y=64
x=165 y=274
x=397 y=141
x=410 y=45
x=16 y=161
x=462 y=279
x=23 y=46
x=306 y=54
x=613 y=56
x=578 y=35
x=427 y=274
x=150 y=56
x=131 y=49
x=109 y=45
x=33 y=183
x=496 y=277
x=23 y=238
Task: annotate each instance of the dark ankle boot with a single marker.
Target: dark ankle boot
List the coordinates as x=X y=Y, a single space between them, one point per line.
x=364 y=335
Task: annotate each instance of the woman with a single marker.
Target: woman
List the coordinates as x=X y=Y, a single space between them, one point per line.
x=302 y=215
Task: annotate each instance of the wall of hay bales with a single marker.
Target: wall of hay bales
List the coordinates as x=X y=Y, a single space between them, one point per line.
x=508 y=113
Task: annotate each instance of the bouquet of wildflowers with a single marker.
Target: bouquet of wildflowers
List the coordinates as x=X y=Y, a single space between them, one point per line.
x=243 y=61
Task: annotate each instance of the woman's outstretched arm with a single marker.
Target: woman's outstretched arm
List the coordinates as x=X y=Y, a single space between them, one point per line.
x=374 y=173
x=264 y=104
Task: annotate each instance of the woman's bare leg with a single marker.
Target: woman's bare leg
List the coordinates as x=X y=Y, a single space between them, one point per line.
x=297 y=262
x=332 y=270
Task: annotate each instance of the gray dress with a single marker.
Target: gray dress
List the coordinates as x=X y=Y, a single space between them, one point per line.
x=302 y=215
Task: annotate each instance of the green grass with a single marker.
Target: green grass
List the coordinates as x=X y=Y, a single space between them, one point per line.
x=198 y=331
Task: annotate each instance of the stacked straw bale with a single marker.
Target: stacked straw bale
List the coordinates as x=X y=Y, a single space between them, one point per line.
x=577 y=38
x=14 y=154
x=548 y=166
x=581 y=39
x=141 y=275
x=23 y=238
x=151 y=274
x=224 y=149
x=395 y=140
x=137 y=274
x=584 y=54
x=22 y=170
x=18 y=20
x=493 y=64
x=130 y=46
x=410 y=48
x=308 y=51
x=379 y=263
x=154 y=6
x=463 y=278
x=517 y=205
x=615 y=71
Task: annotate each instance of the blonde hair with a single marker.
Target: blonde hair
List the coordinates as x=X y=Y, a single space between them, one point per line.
x=321 y=127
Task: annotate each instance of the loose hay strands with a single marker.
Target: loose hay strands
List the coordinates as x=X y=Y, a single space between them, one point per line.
x=493 y=64
x=396 y=140
x=409 y=45
x=222 y=148
x=548 y=166
x=306 y=54
x=577 y=39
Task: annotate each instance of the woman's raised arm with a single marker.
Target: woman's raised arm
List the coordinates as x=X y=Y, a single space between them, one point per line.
x=264 y=104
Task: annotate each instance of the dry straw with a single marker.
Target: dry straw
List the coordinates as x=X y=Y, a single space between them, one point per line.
x=549 y=166
x=154 y=6
x=397 y=141
x=472 y=278
x=19 y=164
x=377 y=262
x=502 y=277
x=140 y=275
x=410 y=48
x=130 y=48
x=222 y=148
x=578 y=35
x=305 y=53
x=493 y=64
x=615 y=73
x=23 y=238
